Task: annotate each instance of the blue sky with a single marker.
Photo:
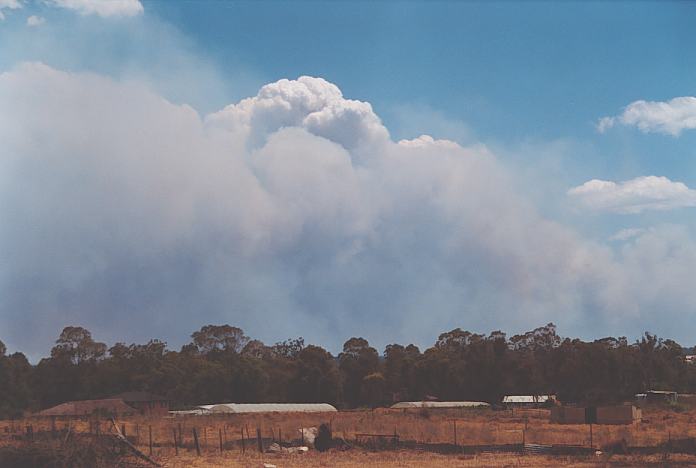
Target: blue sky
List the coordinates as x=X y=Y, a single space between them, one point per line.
x=524 y=82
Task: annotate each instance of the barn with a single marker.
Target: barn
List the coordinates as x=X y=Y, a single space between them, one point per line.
x=106 y=407
x=618 y=414
x=146 y=403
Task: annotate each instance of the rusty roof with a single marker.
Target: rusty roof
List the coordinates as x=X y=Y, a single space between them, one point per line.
x=86 y=407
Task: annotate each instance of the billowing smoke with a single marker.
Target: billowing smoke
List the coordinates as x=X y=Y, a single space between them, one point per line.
x=290 y=213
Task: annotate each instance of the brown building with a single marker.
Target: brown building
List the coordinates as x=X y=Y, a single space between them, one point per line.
x=622 y=414
x=106 y=407
x=146 y=403
x=625 y=414
x=568 y=415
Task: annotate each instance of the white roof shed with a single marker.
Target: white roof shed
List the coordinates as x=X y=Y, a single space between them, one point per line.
x=439 y=404
x=531 y=399
x=242 y=408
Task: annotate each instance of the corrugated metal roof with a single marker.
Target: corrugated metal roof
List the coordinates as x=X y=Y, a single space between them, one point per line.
x=526 y=398
x=439 y=404
x=270 y=408
x=86 y=407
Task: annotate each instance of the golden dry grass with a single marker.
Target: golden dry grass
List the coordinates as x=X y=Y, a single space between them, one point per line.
x=474 y=427
x=412 y=459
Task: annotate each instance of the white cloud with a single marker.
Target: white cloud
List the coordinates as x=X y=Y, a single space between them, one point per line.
x=9 y=5
x=635 y=195
x=310 y=103
x=292 y=208
x=103 y=8
x=33 y=21
x=626 y=234
x=671 y=117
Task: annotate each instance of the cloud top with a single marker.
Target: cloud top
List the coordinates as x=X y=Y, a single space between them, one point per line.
x=669 y=118
x=635 y=195
x=310 y=103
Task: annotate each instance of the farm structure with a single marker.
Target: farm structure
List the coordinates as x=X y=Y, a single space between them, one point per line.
x=528 y=401
x=110 y=407
x=568 y=415
x=439 y=404
x=660 y=396
x=621 y=414
x=243 y=408
x=147 y=404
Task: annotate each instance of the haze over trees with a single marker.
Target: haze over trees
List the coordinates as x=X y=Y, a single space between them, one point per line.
x=222 y=364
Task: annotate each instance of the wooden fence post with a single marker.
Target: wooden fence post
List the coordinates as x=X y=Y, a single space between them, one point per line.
x=149 y=431
x=195 y=441
x=591 y=441
x=220 y=434
x=243 y=442
x=258 y=439
x=455 y=432
x=123 y=430
x=176 y=446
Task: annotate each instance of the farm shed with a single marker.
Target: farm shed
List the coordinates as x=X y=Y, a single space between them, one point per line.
x=111 y=407
x=660 y=396
x=516 y=401
x=147 y=403
x=568 y=415
x=242 y=408
x=626 y=414
x=623 y=414
x=439 y=404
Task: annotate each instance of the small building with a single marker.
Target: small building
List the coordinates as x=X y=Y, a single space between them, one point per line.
x=690 y=359
x=624 y=414
x=147 y=404
x=244 y=408
x=568 y=415
x=528 y=401
x=620 y=414
x=439 y=404
x=106 y=407
x=657 y=396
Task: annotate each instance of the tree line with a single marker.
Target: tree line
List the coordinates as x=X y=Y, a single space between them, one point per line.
x=222 y=364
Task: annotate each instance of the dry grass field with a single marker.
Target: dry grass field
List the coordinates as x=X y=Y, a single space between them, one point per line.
x=473 y=427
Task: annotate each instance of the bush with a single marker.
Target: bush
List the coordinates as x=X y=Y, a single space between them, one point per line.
x=324 y=440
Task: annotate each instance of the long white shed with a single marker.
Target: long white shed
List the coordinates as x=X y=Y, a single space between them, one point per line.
x=440 y=404
x=271 y=408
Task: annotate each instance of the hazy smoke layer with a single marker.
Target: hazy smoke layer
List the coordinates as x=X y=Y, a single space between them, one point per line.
x=289 y=213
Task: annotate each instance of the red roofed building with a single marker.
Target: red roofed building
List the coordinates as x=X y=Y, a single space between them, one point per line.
x=146 y=403
x=107 y=407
